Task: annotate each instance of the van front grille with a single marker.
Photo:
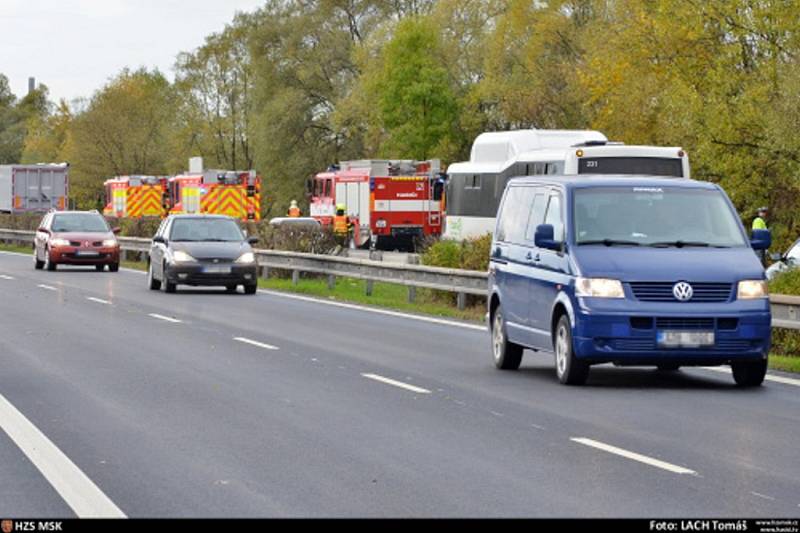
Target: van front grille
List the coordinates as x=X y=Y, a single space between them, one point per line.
x=659 y=291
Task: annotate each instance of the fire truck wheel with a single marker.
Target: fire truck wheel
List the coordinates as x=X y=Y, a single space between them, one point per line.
x=99 y=268
x=251 y=289
x=113 y=267
x=152 y=282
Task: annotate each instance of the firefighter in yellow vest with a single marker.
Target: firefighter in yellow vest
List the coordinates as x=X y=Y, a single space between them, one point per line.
x=341 y=225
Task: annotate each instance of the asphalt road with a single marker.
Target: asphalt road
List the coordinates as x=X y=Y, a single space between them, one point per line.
x=153 y=408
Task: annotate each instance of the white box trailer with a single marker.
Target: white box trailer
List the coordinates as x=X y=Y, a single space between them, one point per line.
x=33 y=188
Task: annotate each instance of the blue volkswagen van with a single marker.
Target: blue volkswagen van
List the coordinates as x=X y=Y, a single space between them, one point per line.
x=630 y=270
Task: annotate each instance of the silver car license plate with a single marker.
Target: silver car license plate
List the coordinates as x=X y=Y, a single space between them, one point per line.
x=685 y=339
x=217 y=269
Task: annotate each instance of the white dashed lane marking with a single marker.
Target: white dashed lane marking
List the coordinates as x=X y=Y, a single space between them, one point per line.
x=255 y=343
x=633 y=456
x=396 y=383
x=165 y=318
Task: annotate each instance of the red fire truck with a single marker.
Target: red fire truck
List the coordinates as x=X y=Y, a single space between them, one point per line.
x=389 y=203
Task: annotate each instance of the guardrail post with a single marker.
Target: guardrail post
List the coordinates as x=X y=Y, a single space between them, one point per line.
x=461 y=300
x=295 y=277
x=412 y=294
x=369 y=287
x=265 y=272
x=331 y=282
x=123 y=255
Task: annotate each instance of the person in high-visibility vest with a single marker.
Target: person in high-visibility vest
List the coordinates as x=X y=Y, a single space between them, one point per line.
x=294 y=211
x=341 y=225
x=760 y=222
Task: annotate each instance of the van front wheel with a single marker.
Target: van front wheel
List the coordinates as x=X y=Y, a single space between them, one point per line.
x=569 y=369
x=507 y=355
x=749 y=373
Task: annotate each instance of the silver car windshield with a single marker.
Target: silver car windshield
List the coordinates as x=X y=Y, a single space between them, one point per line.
x=655 y=216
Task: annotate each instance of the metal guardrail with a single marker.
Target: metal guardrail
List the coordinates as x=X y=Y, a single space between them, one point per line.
x=785 y=309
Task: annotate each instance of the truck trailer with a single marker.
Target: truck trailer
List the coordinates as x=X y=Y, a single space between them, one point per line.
x=33 y=188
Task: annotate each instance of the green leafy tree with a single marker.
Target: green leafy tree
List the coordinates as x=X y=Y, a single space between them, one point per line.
x=124 y=130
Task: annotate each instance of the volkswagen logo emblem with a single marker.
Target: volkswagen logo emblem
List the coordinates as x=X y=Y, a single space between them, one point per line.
x=682 y=291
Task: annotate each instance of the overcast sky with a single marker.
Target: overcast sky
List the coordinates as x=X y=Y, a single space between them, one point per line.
x=75 y=46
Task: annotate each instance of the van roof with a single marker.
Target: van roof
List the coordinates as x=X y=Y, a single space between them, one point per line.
x=614 y=180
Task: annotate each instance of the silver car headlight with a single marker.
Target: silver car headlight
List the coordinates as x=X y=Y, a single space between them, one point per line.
x=182 y=257
x=109 y=243
x=599 y=288
x=750 y=289
x=246 y=258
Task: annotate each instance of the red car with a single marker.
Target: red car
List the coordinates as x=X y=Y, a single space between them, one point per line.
x=75 y=238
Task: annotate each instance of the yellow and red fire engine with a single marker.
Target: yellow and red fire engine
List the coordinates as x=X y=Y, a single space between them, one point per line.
x=135 y=196
x=218 y=192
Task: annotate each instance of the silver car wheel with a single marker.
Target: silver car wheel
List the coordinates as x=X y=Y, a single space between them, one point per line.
x=497 y=336
x=562 y=349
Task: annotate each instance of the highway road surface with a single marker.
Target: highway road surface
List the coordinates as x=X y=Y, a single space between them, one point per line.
x=119 y=401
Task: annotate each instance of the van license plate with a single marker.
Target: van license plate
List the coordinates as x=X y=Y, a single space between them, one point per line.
x=685 y=339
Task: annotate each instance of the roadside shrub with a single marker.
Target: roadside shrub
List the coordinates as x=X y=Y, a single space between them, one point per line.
x=787 y=282
x=23 y=221
x=786 y=341
x=470 y=254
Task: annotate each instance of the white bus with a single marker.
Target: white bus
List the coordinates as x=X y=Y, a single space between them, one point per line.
x=475 y=187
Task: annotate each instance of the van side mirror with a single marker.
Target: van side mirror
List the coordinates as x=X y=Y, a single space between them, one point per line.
x=252 y=240
x=761 y=239
x=544 y=237
x=159 y=239
x=116 y=231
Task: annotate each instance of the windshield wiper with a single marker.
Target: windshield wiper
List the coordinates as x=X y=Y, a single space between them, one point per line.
x=611 y=242
x=680 y=244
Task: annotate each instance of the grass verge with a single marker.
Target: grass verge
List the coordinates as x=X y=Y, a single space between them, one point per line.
x=387 y=295
x=786 y=363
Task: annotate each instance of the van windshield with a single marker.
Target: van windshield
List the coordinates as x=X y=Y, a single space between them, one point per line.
x=655 y=216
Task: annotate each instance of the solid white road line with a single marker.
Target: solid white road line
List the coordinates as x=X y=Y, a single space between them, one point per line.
x=769 y=377
x=165 y=318
x=256 y=343
x=98 y=300
x=77 y=490
x=3 y=276
x=400 y=384
x=633 y=456
x=374 y=310
x=47 y=287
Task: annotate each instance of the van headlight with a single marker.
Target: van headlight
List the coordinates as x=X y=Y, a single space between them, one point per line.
x=599 y=288
x=751 y=289
x=182 y=257
x=246 y=258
